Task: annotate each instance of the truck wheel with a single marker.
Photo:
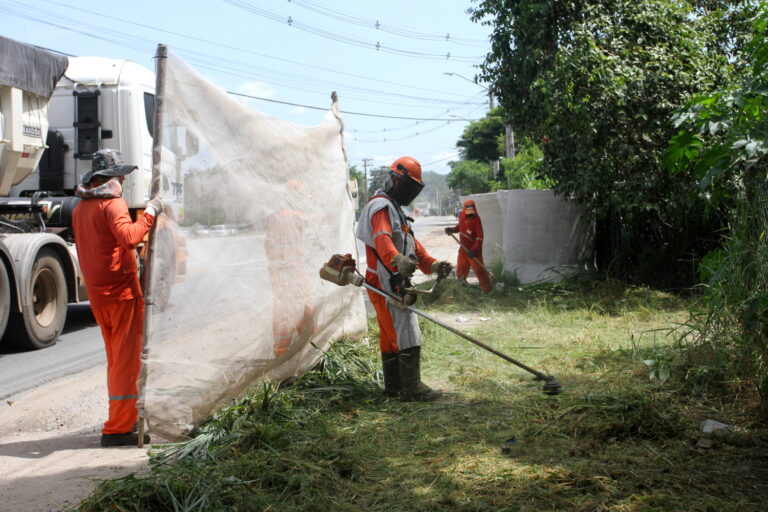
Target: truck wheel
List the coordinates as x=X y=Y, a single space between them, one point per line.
x=5 y=298
x=40 y=324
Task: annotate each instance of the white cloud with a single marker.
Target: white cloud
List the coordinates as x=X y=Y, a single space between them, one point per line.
x=258 y=89
x=297 y=111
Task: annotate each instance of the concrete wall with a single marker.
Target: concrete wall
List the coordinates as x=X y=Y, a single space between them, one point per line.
x=536 y=233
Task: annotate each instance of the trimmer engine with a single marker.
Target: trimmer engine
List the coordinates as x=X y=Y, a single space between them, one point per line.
x=340 y=270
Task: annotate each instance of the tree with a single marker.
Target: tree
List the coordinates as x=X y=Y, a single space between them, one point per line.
x=355 y=174
x=599 y=81
x=524 y=170
x=724 y=143
x=470 y=177
x=483 y=140
x=376 y=179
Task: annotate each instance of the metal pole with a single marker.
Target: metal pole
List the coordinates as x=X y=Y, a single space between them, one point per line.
x=157 y=144
x=366 y=162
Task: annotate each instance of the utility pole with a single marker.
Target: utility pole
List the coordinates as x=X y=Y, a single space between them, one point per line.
x=509 y=133
x=366 y=163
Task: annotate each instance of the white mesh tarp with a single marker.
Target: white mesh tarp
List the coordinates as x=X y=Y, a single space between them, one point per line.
x=259 y=205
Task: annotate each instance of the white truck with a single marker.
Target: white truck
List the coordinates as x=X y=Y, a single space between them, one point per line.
x=45 y=147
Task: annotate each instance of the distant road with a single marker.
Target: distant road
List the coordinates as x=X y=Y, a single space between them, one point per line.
x=80 y=347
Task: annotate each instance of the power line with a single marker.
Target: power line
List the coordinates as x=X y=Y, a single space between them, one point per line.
x=409 y=118
x=220 y=64
x=346 y=111
x=375 y=24
x=264 y=13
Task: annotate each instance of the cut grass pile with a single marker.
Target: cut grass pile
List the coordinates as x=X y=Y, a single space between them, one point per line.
x=616 y=439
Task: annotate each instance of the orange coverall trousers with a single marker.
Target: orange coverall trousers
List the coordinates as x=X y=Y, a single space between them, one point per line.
x=463 y=265
x=122 y=324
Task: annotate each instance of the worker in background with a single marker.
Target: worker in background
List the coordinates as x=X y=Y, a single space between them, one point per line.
x=392 y=256
x=292 y=299
x=470 y=229
x=106 y=241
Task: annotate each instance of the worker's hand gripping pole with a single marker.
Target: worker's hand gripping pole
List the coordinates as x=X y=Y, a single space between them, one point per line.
x=340 y=270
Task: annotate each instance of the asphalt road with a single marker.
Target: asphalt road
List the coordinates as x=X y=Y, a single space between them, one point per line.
x=80 y=346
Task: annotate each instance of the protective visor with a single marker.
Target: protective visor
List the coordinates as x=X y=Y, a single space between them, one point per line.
x=405 y=189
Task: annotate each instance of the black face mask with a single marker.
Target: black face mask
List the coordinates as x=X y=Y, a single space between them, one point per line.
x=405 y=190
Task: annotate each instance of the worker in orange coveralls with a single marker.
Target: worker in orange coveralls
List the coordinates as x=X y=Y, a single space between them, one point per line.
x=291 y=293
x=106 y=241
x=392 y=256
x=470 y=229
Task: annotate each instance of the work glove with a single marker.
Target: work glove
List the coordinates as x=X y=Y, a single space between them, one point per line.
x=441 y=268
x=449 y=230
x=470 y=253
x=405 y=266
x=153 y=207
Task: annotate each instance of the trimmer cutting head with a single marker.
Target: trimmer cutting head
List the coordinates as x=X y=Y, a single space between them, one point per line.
x=552 y=387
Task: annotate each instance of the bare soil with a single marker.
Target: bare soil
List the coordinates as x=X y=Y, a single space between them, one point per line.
x=50 y=456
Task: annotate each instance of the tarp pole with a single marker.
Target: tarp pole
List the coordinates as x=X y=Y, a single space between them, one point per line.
x=157 y=144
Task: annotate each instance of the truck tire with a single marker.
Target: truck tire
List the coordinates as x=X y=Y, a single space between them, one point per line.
x=5 y=299
x=39 y=325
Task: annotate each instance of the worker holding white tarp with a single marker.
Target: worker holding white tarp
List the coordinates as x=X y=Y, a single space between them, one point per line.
x=393 y=253
x=106 y=247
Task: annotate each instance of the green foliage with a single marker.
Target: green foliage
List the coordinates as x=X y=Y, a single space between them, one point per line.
x=524 y=170
x=470 y=177
x=376 y=178
x=480 y=139
x=359 y=177
x=724 y=136
x=724 y=143
x=599 y=81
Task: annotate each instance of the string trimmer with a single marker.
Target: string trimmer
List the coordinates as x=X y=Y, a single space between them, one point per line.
x=473 y=258
x=341 y=270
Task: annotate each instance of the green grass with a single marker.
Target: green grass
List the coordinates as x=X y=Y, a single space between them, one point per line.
x=620 y=438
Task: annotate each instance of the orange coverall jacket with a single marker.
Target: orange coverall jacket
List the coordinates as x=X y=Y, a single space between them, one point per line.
x=106 y=240
x=470 y=231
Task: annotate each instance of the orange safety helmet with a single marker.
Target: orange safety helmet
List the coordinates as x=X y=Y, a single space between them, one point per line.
x=469 y=204
x=407 y=166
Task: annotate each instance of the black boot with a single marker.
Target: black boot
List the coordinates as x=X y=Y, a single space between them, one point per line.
x=391 y=373
x=411 y=387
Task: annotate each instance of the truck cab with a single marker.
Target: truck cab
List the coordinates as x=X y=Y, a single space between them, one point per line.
x=97 y=103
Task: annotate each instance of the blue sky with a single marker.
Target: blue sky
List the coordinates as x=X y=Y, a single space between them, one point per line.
x=297 y=52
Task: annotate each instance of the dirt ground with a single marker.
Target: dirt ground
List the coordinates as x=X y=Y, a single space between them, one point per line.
x=50 y=457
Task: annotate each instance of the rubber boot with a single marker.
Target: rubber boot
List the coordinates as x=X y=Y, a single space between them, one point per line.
x=411 y=387
x=391 y=374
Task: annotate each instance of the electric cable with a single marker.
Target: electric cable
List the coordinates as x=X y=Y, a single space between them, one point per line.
x=354 y=20
x=225 y=65
x=243 y=50
x=264 y=13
